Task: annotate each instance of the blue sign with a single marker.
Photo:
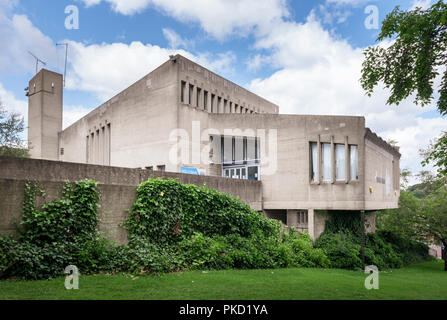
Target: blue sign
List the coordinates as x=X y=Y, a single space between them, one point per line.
x=189 y=170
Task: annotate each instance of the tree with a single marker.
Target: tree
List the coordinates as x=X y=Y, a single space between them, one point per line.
x=11 y=125
x=405 y=175
x=412 y=62
x=437 y=153
x=432 y=219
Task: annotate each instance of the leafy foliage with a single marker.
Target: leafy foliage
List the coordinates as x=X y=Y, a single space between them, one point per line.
x=11 y=126
x=341 y=241
x=411 y=62
x=415 y=57
x=436 y=153
x=176 y=226
x=59 y=233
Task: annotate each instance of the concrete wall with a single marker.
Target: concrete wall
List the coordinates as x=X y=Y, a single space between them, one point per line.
x=287 y=185
x=382 y=188
x=117 y=185
x=44 y=114
x=141 y=119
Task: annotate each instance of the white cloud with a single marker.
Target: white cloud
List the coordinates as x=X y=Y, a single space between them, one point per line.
x=219 y=18
x=73 y=114
x=18 y=36
x=13 y=104
x=423 y=4
x=174 y=39
x=322 y=77
x=106 y=69
x=89 y=3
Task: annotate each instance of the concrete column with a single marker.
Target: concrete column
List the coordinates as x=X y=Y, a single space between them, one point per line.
x=320 y=167
x=310 y=223
x=200 y=99
x=292 y=218
x=347 y=161
x=194 y=97
x=208 y=103
x=332 y=160
x=186 y=93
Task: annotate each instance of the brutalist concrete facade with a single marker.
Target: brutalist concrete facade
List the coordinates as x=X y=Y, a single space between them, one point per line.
x=180 y=114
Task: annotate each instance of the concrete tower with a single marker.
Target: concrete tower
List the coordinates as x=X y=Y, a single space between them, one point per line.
x=45 y=114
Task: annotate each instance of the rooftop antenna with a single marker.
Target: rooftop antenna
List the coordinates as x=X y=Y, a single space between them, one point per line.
x=37 y=60
x=66 y=52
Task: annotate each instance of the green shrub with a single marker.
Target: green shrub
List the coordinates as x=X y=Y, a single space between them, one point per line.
x=304 y=254
x=381 y=254
x=166 y=211
x=59 y=233
x=412 y=251
x=341 y=248
x=202 y=252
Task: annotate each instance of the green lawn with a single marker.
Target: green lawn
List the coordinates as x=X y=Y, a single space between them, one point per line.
x=419 y=281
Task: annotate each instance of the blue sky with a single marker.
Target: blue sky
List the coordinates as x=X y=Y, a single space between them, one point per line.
x=303 y=55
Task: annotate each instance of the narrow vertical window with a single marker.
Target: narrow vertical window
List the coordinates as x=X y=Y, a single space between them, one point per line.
x=87 y=149
x=353 y=152
x=191 y=89
x=225 y=106
x=314 y=162
x=238 y=149
x=228 y=150
x=326 y=161
x=205 y=100
x=109 y=144
x=198 y=97
x=219 y=99
x=212 y=102
x=340 y=159
x=182 y=92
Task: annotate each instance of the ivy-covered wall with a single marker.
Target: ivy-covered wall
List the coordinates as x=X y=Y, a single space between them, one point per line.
x=117 y=187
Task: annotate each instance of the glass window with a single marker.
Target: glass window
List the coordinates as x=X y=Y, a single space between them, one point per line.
x=219 y=99
x=205 y=99
x=340 y=173
x=314 y=162
x=225 y=106
x=191 y=88
x=251 y=148
x=228 y=150
x=238 y=149
x=253 y=173
x=326 y=163
x=212 y=102
x=353 y=152
x=182 y=94
x=198 y=96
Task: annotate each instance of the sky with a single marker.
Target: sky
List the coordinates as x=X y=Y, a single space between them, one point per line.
x=305 y=56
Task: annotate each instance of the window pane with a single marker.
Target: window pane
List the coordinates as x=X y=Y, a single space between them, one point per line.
x=353 y=151
x=239 y=149
x=228 y=148
x=253 y=173
x=340 y=162
x=314 y=161
x=251 y=149
x=326 y=150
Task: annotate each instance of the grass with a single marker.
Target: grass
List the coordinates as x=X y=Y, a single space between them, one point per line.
x=425 y=280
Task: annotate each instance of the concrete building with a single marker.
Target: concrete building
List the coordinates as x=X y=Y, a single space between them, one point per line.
x=182 y=117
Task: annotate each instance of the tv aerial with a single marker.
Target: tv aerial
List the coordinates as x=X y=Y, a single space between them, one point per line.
x=66 y=52
x=37 y=60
